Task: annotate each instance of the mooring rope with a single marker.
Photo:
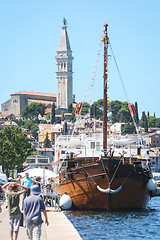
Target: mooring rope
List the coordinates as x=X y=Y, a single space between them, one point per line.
x=89 y=175
x=105 y=170
x=115 y=171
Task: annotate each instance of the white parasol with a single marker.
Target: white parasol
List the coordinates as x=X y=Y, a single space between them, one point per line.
x=39 y=172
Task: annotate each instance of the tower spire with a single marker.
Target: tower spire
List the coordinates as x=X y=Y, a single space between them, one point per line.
x=64 y=44
x=64 y=72
x=64 y=21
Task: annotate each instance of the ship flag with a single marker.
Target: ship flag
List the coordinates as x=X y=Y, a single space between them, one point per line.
x=86 y=116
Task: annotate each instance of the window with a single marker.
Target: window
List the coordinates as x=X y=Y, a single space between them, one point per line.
x=42 y=160
x=30 y=160
x=92 y=145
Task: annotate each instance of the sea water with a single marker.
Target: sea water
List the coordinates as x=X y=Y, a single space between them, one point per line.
x=123 y=225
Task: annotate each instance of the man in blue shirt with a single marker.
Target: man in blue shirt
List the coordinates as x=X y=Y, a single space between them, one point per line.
x=27 y=182
x=32 y=214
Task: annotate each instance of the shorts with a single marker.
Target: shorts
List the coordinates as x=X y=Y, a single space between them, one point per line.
x=33 y=232
x=14 y=222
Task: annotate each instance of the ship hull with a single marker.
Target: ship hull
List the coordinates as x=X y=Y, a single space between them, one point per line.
x=81 y=185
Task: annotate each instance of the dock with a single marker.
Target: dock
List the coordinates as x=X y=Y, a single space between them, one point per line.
x=59 y=228
x=156 y=193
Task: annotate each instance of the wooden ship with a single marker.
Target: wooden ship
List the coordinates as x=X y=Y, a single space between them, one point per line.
x=107 y=182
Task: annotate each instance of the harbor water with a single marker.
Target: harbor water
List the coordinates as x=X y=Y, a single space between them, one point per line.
x=128 y=225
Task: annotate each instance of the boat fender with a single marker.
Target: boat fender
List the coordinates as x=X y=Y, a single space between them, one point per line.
x=108 y=190
x=151 y=185
x=65 y=202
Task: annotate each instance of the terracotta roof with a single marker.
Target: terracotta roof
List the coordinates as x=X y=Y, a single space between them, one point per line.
x=46 y=149
x=48 y=110
x=7 y=115
x=68 y=114
x=41 y=101
x=152 y=134
x=46 y=125
x=34 y=93
x=8 y=123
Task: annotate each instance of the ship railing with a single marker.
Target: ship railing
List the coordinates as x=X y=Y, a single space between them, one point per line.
x=52 y=200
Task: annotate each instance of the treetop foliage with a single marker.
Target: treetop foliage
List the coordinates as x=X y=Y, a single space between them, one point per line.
x=47 y=142
x=14 y=147
x=32 y=110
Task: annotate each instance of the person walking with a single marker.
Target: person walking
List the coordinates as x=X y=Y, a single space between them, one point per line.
x=13 y=206
x=32 y=214
x=27 y=182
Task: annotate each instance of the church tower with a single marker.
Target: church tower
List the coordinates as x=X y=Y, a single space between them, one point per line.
x=64 y=74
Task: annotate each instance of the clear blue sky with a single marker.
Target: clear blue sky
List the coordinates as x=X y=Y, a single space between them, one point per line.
x=30 y=33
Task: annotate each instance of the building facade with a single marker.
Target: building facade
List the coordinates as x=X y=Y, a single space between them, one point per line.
x=20 y=99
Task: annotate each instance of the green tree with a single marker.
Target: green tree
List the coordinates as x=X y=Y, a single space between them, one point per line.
x=62 y=118
x=53 y=119
x=34 y=130
x=124 y=113
x=143 y=119
x=47 y=142
x=33 y=110
x=70 y=108
x=20 y=122
x=14 y=148
x=85 y=108
x=152 y=121
x=137 y=116
x=146 y=125
x=158 y=122
x=120 y=112
x=65 y=128
x=148 y=118
x=97 y=109
x=128 y=128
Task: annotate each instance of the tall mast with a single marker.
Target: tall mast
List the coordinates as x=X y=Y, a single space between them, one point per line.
x=105 y=40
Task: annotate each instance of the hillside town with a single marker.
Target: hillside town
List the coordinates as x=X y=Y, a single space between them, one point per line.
x=67 y=162
x=59 y=113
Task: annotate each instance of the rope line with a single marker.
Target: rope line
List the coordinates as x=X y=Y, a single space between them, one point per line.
x=105 y=171
x=125 y=92
x=115 y=171
x=89 y=175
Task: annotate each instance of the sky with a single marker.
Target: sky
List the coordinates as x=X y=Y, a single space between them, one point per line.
x=30 y=33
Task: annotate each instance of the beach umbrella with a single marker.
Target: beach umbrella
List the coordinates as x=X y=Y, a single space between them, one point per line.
x=39 y=172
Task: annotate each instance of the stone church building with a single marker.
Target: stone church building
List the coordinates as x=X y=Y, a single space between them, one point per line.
x=64 y=78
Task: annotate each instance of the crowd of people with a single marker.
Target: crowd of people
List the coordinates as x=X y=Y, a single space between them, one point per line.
x=32 y=205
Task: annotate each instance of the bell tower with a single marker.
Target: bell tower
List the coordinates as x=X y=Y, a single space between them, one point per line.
x=64 y=74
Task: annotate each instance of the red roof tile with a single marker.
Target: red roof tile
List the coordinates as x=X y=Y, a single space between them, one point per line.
x=48 y=110
x=68 y=114
x=34 y=93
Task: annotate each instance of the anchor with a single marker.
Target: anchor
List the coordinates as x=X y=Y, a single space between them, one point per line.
x=109 y=190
